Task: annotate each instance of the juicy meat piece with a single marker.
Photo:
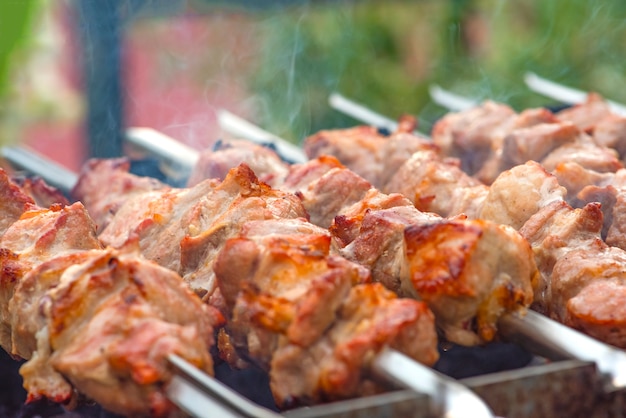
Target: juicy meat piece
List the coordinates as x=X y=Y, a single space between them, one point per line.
x=184 y=229
x=437 y=185
x=14 y=202
x=519 y=193
x=610 y=132
x=104 y=185
x=589 y=292
x=43 y=194
x=377 y=242
x=535 y=143
x=616 y=231
x=35 y=237
x=304 y=314
x=157 y=220
x=335 y=367
x=215 y=163
x=586 y=115
x=346 y=226
x=326 y=195
x=474 y=134
x=575 y=177
x=93 y=320
x=353 y=147
x=554 y=231
x=585 y=153
x=454 y=269
x=112 y=322
x=367 y=152
x=301 y=175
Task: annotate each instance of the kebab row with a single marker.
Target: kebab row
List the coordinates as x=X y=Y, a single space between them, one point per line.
x=333 y=191
x=576 y=231
x=355 y=335
x=316 y=182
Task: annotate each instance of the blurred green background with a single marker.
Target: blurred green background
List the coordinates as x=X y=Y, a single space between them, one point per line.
x=15 y=33
x=387 y=53
x=381 y=53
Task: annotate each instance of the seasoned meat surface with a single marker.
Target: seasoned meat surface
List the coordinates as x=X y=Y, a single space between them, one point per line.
x=367 y=152
x=94 y=320
x=184 y=229
x=217 y=162
x=309 y=317
x=104 y=185
x=436 y=184
x=454 y=269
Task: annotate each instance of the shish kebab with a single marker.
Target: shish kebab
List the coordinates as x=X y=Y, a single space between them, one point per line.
x=539 y=176
x=390 y=360
x=560 y=342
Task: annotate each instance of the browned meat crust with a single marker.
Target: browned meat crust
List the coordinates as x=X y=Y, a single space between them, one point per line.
x=300 y=313
x=93 y=320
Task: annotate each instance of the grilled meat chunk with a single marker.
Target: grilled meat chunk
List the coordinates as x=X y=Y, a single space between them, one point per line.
x=94 y=320
x=104 y=185
x=184 y=229
x=304 y=314
x=454 y=269
x=519 y=193
x=374 y=238
x=473 y=135
x=216 y=163
x=35 y=237
x=112 y=322
x=325 y=187
x=438 y=185
x=586 y=115
x=366 y=151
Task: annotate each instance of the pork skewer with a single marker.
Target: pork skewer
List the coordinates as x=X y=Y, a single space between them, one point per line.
x=450 y=395
x=63 y=250
x=545 y=336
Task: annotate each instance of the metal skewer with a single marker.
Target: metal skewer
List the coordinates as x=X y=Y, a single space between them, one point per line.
x=365 y=115
x=450 y=100
x=360 y=112
x=242 y=128
x=201 y=396
x=32 y=162
x=556 y=341
x=450 y=398
x=563 y=93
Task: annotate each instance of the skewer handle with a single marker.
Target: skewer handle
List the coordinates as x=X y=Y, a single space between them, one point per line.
x=451 y=398
x=556 y=341
x=564 y=94
x=163 y=146
x=361 y=113
x=200 y=395
x=450 y=100
x=241 y=127
x=51 y=172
